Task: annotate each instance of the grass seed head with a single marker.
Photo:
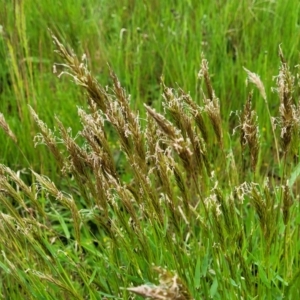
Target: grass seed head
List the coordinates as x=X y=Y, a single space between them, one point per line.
x=255 y=79
x=289 y=116
x=249 y=131
x=212 y=103
x=170 y=287
x=4 y=125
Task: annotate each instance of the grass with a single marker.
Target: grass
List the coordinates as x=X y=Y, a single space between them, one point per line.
x=232 y=35
x=150 y=195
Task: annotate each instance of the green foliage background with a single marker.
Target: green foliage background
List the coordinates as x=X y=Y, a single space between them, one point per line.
x=141 y=41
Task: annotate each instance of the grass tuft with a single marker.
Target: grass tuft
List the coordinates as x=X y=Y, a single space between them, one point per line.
x=156 y=184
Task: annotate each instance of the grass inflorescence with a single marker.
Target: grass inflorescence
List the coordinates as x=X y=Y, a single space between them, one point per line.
x=192 y=203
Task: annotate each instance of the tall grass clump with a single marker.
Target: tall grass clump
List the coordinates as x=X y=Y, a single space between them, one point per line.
x=168 y=43
x=170 y=206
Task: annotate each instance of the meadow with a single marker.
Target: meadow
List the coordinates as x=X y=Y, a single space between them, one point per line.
x=149 y=149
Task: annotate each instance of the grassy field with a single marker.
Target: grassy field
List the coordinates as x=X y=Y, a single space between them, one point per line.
x=149 y=149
